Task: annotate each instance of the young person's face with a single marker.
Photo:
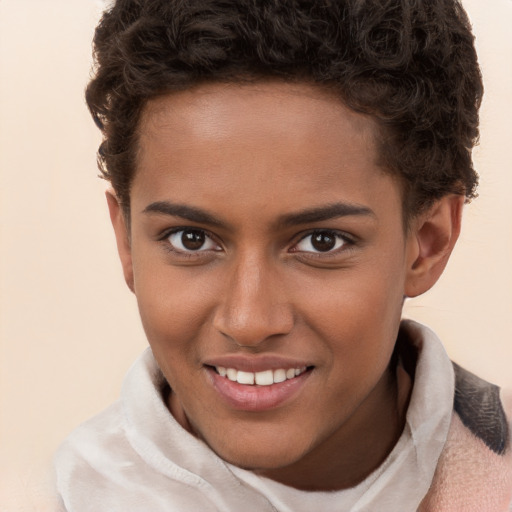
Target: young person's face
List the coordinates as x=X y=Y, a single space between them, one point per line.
x=264 y=237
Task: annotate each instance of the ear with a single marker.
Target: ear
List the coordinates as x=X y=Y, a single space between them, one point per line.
x=431 y=240
x=121 y=231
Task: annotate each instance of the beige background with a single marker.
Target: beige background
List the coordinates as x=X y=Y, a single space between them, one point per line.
x=68 y=326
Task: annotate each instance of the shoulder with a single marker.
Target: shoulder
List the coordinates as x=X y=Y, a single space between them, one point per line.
x=93 y=449
x=479 y=406
x=98 y=469
x=474 y=471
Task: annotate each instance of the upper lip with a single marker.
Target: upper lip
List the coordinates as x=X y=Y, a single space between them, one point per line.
x=255 y=364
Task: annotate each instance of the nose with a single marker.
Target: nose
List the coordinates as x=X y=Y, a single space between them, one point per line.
x=254 y=306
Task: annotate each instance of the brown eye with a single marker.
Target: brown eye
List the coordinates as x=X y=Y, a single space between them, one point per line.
x=321 y=241
x=190 y=240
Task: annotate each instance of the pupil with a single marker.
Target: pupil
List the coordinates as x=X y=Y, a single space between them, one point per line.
x=323 y=241
x=192 y=240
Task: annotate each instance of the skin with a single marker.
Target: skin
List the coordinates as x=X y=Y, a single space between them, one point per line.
x=254 y=158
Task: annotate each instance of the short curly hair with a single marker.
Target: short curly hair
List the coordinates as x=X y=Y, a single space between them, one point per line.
x=409 y=64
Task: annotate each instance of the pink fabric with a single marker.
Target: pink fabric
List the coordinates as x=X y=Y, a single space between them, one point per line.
x=469 y=477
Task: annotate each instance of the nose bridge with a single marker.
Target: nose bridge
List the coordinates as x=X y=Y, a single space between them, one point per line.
x=254 y=306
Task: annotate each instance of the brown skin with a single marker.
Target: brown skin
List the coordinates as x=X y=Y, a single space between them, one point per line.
x=250 y=155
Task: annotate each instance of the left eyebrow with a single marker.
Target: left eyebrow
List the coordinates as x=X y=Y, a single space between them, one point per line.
x=330 y=211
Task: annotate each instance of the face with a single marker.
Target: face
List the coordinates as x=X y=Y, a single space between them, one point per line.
x=269 y=263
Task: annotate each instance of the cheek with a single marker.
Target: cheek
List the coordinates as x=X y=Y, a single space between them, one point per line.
x=175 y=306
x=358 y=315
x=172 y=320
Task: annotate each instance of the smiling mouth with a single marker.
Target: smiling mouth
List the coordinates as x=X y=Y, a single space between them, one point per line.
x=258 y=391
x=262 y=378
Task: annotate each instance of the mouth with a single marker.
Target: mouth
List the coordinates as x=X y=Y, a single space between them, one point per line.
x=260 y=390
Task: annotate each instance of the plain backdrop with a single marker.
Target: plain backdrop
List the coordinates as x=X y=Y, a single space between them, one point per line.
x=69 y=328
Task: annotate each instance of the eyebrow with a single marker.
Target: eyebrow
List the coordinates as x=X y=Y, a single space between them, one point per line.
x=185 y=212
x=330 y=211
x=322 y=213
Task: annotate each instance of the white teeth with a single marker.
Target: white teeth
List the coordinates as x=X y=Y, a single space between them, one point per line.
x=245 y=377
x=264 y=378
x=279 y=375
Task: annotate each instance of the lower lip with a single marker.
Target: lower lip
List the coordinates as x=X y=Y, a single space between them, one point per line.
x=257 y=398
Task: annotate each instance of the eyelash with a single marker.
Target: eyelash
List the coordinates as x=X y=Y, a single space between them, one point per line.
x=347 y=242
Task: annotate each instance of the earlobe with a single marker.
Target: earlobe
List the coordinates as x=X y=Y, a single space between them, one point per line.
x=430 y=243
x=122 y=234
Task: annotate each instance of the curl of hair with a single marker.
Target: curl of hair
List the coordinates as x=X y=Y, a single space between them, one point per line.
x=410 y=64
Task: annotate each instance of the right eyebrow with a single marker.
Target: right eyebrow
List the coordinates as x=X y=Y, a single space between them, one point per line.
x=190 y=213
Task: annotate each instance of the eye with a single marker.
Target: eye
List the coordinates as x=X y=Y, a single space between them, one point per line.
x=191 y=240
x=321 y=242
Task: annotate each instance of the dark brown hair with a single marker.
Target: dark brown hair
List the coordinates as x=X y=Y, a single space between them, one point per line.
x=410 y=64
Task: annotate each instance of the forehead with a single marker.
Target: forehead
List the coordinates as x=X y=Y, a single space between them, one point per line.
x=272 y=140
x=226 y=98
x=214 y=111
